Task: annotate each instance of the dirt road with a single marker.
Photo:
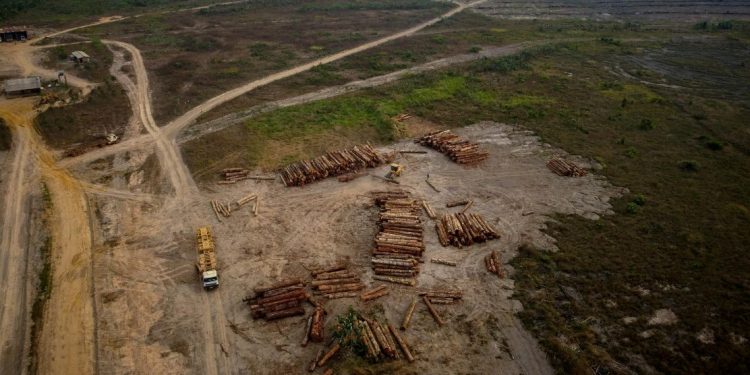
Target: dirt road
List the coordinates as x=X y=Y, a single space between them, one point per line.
x=170 y=157
x=176 y=126
x=66 y=343
x=13 y=253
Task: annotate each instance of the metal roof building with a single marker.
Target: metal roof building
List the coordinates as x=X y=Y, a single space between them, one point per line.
x=80 y=56
x=23 y=86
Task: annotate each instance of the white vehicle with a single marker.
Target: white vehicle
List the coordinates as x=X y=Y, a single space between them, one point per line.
x=207 y=259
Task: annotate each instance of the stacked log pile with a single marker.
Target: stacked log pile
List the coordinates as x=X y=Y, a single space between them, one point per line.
x=233 y=175
x=458 y=149
x=442 y=297
x=278 y=301
x=221 y=208
x=462 y=229
x=381 y=340
x=493 y=264
x=375 y=293
x=563 y=167
x=331 y=164
x=336 y=282
x=399 y=244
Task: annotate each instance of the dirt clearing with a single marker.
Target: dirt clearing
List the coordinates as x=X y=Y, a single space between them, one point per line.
x=155 y=316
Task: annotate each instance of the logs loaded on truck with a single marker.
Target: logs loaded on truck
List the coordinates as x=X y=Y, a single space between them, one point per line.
x=462 y=229
x=563 y=167
x=457 y=148
x=334 y=163
x=207 y=265
x=399 y=244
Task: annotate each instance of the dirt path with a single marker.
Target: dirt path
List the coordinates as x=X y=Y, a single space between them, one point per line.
x=170 y=157
x=14 y=250
x=199 y=130
x=176 y=126
x=66 y=342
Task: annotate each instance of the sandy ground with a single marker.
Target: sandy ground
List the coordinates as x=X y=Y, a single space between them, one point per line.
x=154 y=315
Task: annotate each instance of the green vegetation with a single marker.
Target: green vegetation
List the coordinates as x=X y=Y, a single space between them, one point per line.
x=44 y=287
x=681 y=250
x=372 y=5
x=72 y=10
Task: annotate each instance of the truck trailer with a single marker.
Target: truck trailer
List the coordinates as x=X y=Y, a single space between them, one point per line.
x=207 y=267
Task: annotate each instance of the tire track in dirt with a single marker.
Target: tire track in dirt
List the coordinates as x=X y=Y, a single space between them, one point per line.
x=13 y=253
x=66 y=344
x=176 y=126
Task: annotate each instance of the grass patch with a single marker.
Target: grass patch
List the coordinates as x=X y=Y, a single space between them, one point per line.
x=683 y=250
x=44 y=287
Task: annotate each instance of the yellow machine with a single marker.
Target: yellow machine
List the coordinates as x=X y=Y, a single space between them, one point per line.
x=395 y=171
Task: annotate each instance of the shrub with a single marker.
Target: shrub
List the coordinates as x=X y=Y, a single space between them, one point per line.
x=631 y=152
x=689 y=165
x=639 y=200
x=475 y=49
x=646 y=124
x=714 y=145
x=632 y=208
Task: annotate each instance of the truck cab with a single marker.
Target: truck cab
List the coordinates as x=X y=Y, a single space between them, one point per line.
x=210 y=279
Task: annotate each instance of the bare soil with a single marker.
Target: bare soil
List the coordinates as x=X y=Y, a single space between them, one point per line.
x=154 y=316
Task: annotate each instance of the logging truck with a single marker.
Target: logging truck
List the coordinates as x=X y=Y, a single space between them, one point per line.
x=207 y=259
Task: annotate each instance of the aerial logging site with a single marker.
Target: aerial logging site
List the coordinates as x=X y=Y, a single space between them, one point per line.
x=360 y=187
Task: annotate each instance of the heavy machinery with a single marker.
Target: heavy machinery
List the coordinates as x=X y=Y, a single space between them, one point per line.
x=207 y=259
x=396 y=170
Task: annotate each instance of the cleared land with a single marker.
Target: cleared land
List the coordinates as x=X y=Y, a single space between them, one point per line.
x=192 y=56
x=644 y=277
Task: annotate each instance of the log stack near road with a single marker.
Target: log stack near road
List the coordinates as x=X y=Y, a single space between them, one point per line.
x=233 y=175
x=458 y=149
x=331 y=164
x=278 y=301
x=563 y=167
x=399 y=244
x=336 y=282
x=462 y=229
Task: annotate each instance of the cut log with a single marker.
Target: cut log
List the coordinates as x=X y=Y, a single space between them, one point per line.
x=401 y=343
x=306 y=338
x=396 y=280
x=433 y=312
x=408 y=315
x=317 y=325
x=314 y=363
x=329 y=354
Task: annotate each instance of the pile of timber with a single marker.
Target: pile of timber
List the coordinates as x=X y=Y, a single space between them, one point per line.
x=460 y=150
x=232 y=175
x=442 y=296
x=381 y=340
x=565 y=168
x=331 y=164
x=377 y=292
x=278 y=301
x=223 y=209
x=462 y=229
x=399 y=244
x=336 y=282
x=493 y=264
